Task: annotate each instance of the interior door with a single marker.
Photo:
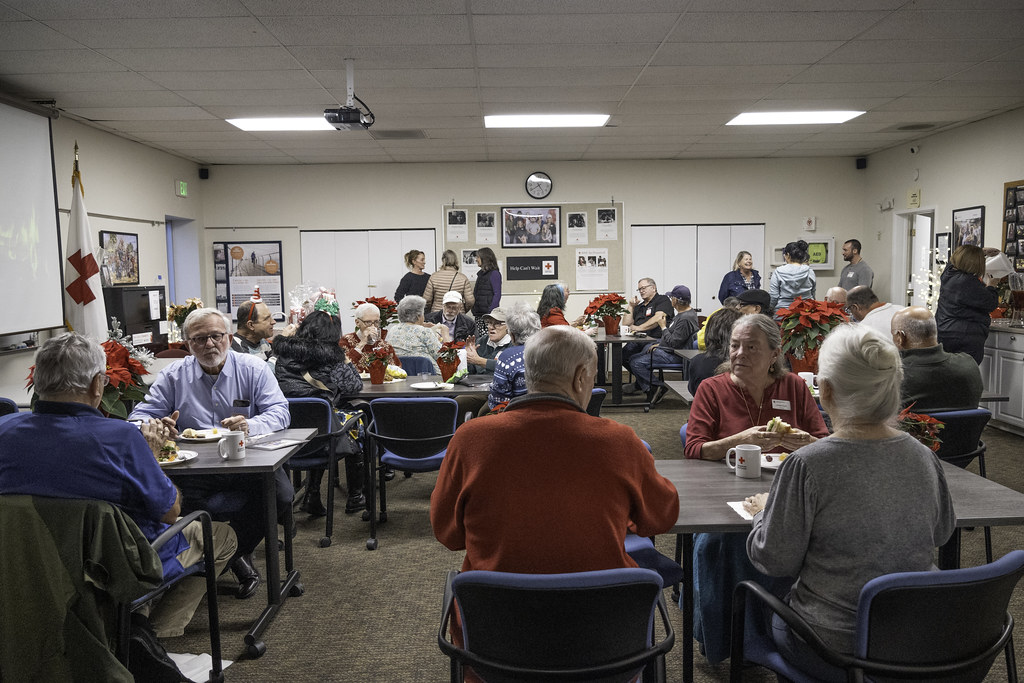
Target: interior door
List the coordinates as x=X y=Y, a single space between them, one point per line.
x=919 y=290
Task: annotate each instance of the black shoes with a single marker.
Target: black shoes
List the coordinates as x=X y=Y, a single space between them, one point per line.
x=389 y=472
x=313 y=504
x=248 y=578
x=355 y=503
x=655 y=395
x=630 y=388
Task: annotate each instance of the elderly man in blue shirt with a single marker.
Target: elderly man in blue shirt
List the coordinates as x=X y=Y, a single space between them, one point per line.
x=216 y=388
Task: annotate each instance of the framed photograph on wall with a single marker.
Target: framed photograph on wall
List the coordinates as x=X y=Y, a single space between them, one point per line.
x=119 y=258
x=941 y=247
x=530 y=226
x=969 y=226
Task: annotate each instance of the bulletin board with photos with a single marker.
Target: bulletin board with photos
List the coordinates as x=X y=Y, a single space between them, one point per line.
x=536 y=244
x=1013 y=223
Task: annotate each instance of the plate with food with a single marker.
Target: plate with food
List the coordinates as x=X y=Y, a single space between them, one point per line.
x=171 y=455
x=771 y=461
x=201 y=435
x=431 y=386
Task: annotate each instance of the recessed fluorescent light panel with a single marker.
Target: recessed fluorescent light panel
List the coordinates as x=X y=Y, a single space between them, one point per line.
x=546 y=120
x=790 y=118
x=295 y=123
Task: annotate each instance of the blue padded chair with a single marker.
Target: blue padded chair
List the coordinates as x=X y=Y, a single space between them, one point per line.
x=417 y=365
x=643 y=552
x=320 y=452
x=407 y=434
x=7 y=406
x=583 y=626
x=961 y=444
x=682 y=434
x=935 y=625
x=597 y=396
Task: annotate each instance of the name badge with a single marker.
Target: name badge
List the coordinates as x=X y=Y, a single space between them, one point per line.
x=779 y=404
x=648 y=312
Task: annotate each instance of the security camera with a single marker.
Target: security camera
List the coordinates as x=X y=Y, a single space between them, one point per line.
x=914 y=149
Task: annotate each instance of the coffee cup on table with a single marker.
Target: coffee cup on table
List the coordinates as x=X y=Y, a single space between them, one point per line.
x=747 y=461
x=232 y=445
x=810 y=379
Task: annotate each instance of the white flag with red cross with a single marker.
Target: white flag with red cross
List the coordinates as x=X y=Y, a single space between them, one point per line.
x=83 y=296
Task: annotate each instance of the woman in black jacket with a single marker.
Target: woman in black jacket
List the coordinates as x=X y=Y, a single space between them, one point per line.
x=311 y=364
x=487 y=289
x=965 y=302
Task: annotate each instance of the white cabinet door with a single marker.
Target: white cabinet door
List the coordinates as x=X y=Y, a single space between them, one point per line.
x=714 y=260
x=1010 y=369
x=989 y=377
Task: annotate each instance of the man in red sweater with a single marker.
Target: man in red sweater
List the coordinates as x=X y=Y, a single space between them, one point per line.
x=545 y=488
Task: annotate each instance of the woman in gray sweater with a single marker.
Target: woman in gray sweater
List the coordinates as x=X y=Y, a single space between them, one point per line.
x=866 y=501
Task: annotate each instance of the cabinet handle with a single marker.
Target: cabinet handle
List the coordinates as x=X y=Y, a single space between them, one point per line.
x=1012 y=338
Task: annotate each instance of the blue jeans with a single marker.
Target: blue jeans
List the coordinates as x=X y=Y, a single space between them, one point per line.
x=642 y=363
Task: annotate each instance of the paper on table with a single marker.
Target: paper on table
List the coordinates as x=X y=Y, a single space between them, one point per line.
x=274 y=445
x=737 y=505
x=196 y=667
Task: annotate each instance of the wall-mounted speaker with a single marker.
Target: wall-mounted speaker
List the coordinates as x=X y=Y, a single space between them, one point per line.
x=204 y=173
x=862 y=163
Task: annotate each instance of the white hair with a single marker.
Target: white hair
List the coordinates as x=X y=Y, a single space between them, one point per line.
x=363 y=309
x=67 y=364
x=523 y=322
x=554 y=353
x=202 y=314
x=864 y=371
x=410 y=308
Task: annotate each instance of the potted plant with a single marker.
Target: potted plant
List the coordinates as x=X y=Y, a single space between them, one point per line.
x=448 y=358
x=606 y=309
x=176 y=314
x=924 y=428
x=126 y=364
x=375 y=360
x=805 y=324
x=388 y=309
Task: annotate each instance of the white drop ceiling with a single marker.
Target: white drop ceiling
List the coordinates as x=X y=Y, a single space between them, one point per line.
x=670 y=73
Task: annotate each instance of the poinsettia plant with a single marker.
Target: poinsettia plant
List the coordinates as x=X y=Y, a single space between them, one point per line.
x=606 y=305
x=178 y=312
x=924 y=428
x=388 y=308
x=126 y=364
x=379 y=354
x=449 y=352
x=806 y=323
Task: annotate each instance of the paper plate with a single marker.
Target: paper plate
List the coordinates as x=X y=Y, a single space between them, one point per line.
x=183 y=457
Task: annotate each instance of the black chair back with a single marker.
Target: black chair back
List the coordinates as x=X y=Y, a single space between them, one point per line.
x=416 y=365
x=961 y=436
x=413 y=427
x=596 y=401
x=315 y=413
x=7 y=406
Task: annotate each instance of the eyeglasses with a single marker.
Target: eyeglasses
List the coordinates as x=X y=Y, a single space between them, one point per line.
x=203 y=339
x=640 y=289
x=368 y=322
x=495 y=325
x=105 y=376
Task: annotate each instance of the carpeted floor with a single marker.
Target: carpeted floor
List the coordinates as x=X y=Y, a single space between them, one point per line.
x=373 y=616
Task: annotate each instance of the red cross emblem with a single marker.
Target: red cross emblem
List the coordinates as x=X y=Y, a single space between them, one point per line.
x=742 y=460
x=86 y=267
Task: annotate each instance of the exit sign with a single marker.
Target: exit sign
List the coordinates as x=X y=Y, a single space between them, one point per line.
x=181 y=188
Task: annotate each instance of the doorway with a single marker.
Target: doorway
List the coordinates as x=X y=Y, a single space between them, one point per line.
x=915 y=281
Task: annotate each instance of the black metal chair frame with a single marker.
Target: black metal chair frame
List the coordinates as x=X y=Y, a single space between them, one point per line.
x=320 y=451
x=7 y=406
x=574 y=616
x=206 y=567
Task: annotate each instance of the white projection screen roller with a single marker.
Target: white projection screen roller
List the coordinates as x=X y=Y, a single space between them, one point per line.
x=30 y=258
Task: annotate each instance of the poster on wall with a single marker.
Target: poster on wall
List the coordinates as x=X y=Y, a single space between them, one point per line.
x=532 y=268
x=458 y=231
x=607 y=225
x=486 y=228
x=530 y=226
x=592 y=270
x=469 y=267
x=576 y=227
x=248 y=265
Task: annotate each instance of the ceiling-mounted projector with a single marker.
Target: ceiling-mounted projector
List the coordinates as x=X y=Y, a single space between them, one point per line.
x=347 y=118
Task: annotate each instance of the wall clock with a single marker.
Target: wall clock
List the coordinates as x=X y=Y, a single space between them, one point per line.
x=538 y=185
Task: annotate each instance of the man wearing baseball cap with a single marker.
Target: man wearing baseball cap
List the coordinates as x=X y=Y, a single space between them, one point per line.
x=480 y=356
x=755 y=301
x=678 y=334
x=460 y=326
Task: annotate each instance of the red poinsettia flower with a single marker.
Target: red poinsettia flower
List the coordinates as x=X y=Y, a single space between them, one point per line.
x=449 y=352
x=605 y=305
x=388 y=308
x=924 y=428
x=806 y=323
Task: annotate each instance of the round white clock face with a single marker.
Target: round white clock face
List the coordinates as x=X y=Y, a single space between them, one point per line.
x=538 y=185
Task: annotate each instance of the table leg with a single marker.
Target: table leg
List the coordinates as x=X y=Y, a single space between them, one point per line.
x=276 y=592
x=687 y=606
x=616 y=374
x=370 y=488
x=949 y=553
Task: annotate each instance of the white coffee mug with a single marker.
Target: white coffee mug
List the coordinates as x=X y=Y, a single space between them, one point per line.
x=232 y=445
x=810 y=379
x=748 y=461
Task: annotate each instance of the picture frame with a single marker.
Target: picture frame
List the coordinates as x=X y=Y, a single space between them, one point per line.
x=119 y=258
x=969 y=226
x=942 y=241
x=531 y=226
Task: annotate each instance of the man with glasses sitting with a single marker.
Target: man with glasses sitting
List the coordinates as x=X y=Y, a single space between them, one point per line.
x=255 y=326
x=367 y=333
x=235 y=391
x=649 y=310
x=480 y=356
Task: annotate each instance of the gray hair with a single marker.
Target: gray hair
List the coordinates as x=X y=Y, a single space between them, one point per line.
x=770 y=329
x=649 y=281
x=410 y=308
x=919 y=331
x=449 y=259
x=554 y=353
x=67 y=364
x=864 y=371
x=522 y=322
x=363 y=309
x=202 y=314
